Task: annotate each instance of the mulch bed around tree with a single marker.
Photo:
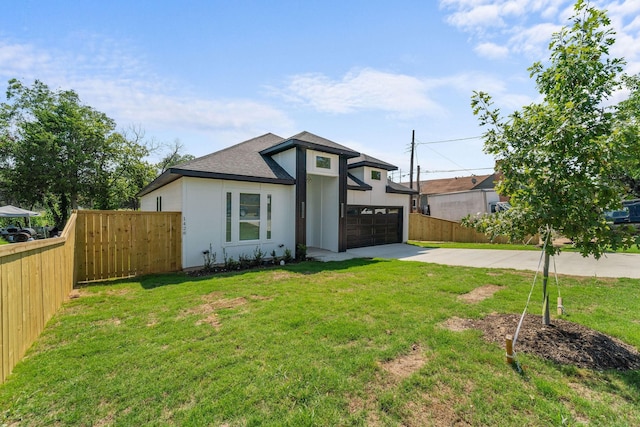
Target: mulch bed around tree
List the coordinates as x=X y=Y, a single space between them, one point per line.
x=563 y=342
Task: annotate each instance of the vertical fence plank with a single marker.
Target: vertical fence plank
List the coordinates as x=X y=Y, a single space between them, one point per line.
x=5 y=366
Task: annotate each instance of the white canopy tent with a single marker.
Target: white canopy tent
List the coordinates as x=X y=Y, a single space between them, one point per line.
x=9 y=211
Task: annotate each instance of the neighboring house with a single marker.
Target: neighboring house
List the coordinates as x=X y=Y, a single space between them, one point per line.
x=272 y=193
x=455 y=198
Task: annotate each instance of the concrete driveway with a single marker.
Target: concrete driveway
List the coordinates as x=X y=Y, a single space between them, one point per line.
x=611 y=265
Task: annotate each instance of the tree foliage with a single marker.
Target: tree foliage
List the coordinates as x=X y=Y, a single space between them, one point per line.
x=560 y=158
x=627 y=131
x=174 y=157
x=59 y=153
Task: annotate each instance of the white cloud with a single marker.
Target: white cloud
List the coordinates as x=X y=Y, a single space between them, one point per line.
x=491 y=50
x=533 y=42
x=19 y=60
x=109 y=78
x=466 y=83
x=479 y=16
x=525 y=27
x=363 y=89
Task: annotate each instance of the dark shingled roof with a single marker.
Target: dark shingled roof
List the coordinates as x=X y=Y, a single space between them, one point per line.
x=366 y=160
x=240 y=159
x=240 y=162
x=395 y=187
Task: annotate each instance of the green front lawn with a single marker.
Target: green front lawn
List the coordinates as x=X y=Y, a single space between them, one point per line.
x=359 y=342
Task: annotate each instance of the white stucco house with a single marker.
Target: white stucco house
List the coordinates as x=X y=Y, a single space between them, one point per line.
x=275 y=193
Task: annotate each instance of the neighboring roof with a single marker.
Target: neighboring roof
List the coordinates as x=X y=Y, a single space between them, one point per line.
x=240 y=162
x=395 y=187
x=10 y=211
x=354 y=183
x=452 y=185
x=314 y=142
x=365 y=160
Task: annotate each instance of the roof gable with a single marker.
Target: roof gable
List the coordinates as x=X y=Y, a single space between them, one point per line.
x=314 y=142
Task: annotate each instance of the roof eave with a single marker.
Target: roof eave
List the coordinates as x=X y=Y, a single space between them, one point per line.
x=393 y=190
x=173 y=174
x=232 y=177
x=385 y=166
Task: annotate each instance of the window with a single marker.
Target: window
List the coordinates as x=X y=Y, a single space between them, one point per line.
x=376 y=175
x=323 y=162
x=159 y=204
x=228 y=234
x=268 y=216
x=249 y=219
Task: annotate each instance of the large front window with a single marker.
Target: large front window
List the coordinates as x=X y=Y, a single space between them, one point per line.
x=249 y=216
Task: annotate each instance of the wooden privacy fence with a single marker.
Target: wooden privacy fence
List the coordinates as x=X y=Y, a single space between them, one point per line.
x=113 y=244
x=35 y=279
x=426 y=228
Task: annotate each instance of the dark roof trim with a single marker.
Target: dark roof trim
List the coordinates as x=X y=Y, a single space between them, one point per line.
x=394 y=187
x=231 y=177
x=360 y=185
x=385 y=166
x=172 y=174
x=291 y=143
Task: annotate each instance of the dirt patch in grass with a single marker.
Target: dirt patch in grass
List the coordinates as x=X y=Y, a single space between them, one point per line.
x=403 y=366
x=456 y=324
x=215 y=302
x=562 y=342
x=114 y=321
x=211 y=320
x=479 y=294
x=399 y=368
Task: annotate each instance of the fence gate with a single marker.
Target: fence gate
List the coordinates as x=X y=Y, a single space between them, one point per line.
x=114 y=244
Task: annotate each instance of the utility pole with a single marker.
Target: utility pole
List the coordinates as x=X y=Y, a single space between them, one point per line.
x=413 y=149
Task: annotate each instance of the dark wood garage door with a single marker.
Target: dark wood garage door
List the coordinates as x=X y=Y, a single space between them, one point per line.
x=372 y=225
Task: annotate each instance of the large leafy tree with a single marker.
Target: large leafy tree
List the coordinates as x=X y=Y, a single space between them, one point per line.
x=559 y=157
x=62 y=154
x=627 y=131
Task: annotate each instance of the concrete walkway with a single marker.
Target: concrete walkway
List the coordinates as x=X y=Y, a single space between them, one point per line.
x=611 y=265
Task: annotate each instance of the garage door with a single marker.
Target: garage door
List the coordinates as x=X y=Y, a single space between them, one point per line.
x=373 y=225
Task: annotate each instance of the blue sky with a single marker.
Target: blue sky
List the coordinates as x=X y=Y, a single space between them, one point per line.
x=361 y=73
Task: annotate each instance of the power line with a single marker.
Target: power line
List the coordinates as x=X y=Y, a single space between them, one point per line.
x=398 y=174
x=456 y=170
x=446 y=158
x=448 y=140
